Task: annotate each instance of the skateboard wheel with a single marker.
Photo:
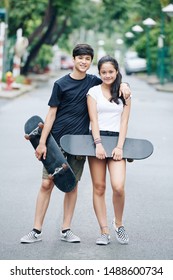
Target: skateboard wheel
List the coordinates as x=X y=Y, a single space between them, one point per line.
x=40 y=125
x=130 y=160
x=50 y=177
x=65 y=166
x=27 y=137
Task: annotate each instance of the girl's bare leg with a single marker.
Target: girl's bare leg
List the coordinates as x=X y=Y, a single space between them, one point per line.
x=98 y=175
x=117 y=171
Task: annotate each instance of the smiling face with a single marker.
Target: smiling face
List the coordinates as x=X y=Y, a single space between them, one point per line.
x=108 y=73
x=82 y=63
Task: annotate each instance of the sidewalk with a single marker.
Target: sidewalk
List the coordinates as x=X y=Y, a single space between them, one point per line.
x=154 y=81
x=13 y=93
x=36 y=80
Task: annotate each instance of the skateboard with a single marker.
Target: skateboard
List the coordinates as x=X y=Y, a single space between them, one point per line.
x=83 y=145
x=55 y=163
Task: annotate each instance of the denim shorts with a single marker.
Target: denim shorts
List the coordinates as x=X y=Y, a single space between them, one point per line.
x=107 y=133
x=75 y=162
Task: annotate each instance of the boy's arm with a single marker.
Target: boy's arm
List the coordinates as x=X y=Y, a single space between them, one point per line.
x=50 y=118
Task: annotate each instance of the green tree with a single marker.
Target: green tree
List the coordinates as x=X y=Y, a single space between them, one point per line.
x=42 y=22
x=43 y=59
x=71 y=21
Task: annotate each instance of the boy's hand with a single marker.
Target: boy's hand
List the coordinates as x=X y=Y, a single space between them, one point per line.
x=41 y=151
x=125 y=91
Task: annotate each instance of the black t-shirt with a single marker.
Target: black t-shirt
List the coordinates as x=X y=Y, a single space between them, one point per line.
x=69 y=95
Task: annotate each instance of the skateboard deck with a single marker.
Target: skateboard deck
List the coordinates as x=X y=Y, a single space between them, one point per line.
x=83 y=145
x=55 y=163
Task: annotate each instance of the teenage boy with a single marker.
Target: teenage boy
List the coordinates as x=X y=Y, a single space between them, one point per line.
x=67 y=114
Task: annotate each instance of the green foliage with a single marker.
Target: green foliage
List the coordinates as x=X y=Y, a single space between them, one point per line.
x=20 y=79
x=25 y=14
x=44 y=57
x=68 y=22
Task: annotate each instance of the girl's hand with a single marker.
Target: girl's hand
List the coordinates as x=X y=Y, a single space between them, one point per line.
x=117 y=153
x=100 y=151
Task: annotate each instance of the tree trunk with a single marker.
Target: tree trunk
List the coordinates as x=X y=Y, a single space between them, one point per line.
x=48 y=24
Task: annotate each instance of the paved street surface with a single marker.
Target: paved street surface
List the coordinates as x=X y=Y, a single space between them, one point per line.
x=149 y=187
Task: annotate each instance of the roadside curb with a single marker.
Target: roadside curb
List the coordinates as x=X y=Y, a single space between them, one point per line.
x=166 y=87
x=153 y=81
x=13 y=93
x=10 y=94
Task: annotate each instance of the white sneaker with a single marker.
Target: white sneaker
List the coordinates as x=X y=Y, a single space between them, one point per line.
x=104 y=239
x=69 y=236
x=31 y=237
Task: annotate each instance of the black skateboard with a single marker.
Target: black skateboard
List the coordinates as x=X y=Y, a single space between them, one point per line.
x=55 y=163
x=83 y=145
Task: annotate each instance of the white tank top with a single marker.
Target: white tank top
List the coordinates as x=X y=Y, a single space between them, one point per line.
x=109 y=113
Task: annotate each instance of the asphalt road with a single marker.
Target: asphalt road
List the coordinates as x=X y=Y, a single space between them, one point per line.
x=149 y=187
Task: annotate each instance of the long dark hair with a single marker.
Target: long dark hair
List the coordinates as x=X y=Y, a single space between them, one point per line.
x=116 y=84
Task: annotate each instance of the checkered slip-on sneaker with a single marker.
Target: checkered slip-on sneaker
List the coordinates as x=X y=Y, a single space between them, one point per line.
x=121 y=234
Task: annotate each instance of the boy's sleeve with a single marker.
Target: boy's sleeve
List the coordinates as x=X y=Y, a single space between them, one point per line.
x=56 y=96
